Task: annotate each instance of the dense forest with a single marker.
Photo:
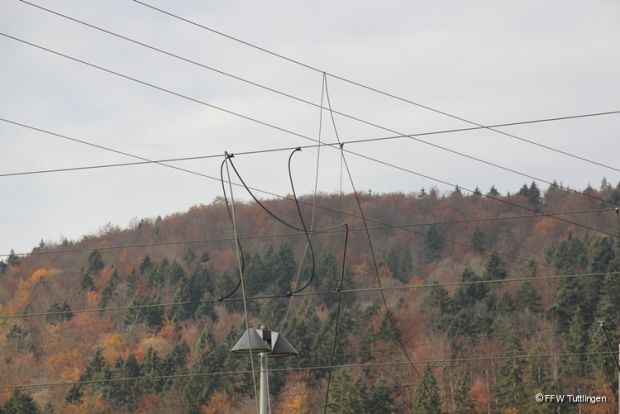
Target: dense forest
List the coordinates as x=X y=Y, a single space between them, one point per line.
x=487 y=299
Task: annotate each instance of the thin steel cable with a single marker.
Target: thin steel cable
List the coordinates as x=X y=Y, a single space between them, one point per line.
x=306 y=101
x=305 y=368
x=337 y=323
x=306 y=232
x=268 y=150
x=151 y=85
x=245 y=307
x=370 y=245
x=469 y=190
x=267 y=210
x=232 y=221
x=316 y=189
x=314 y=293
x=372 y=89
x=230 y=112
x=255 y=120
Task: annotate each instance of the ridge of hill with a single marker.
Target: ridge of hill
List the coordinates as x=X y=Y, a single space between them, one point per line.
x=467 y=288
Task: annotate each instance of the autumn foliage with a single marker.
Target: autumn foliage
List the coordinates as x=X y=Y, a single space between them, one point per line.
x=467 y=284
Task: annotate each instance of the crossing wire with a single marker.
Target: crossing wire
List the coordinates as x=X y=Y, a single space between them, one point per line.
x=314 y=197
x=280 y=129
x=255 y=120
x=270 y=150
x=372 y=89
x=241 y=281
x=370 y=245
x=287 y=95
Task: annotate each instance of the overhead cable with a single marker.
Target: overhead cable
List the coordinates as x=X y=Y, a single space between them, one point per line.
x=287 y=131
x=372 y=89
x=241 y=281
x=370 y=245
x=374 y=124
x=268 y=150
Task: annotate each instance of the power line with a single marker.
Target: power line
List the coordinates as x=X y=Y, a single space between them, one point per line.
x=372 y=250
x=456 y=186
x=241 y=276
x=221 y=72
x=337 y=322
x=316 y=189
x=201 y=65
x=271 y=126
x=372 y=89
x=315 y=293
x=269 y=150
x=305 y=368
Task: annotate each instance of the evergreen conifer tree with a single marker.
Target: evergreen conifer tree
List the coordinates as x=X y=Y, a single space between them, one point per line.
x=346 y=396
x=406 y=265
x=433 y=243
x=493 y=192
x=478 y=241
x=21 y=403
x=381 y=398
x=463 y=398
x=495 y=268
x=427 y=399
x=575 y=344
x=510 y=384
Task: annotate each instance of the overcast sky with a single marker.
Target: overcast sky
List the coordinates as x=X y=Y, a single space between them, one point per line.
x=487 y=61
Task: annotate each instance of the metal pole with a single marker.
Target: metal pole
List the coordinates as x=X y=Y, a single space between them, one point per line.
x=264 y=384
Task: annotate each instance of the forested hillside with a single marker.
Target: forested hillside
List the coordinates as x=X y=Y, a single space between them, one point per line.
x=492 y=297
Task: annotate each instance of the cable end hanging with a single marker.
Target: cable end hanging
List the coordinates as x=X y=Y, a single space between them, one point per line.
x=228 y=155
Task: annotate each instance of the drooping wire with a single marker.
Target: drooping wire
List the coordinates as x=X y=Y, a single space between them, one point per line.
x=267 y=210
x=239 y=262
x=276 y=195
x=308 y=236
x=249 y=118
x=316 y=189
x=258 y=121
x=337 y=322
x=238 y=241
x=275 y=127
x=370 y=245
x=281 y=220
